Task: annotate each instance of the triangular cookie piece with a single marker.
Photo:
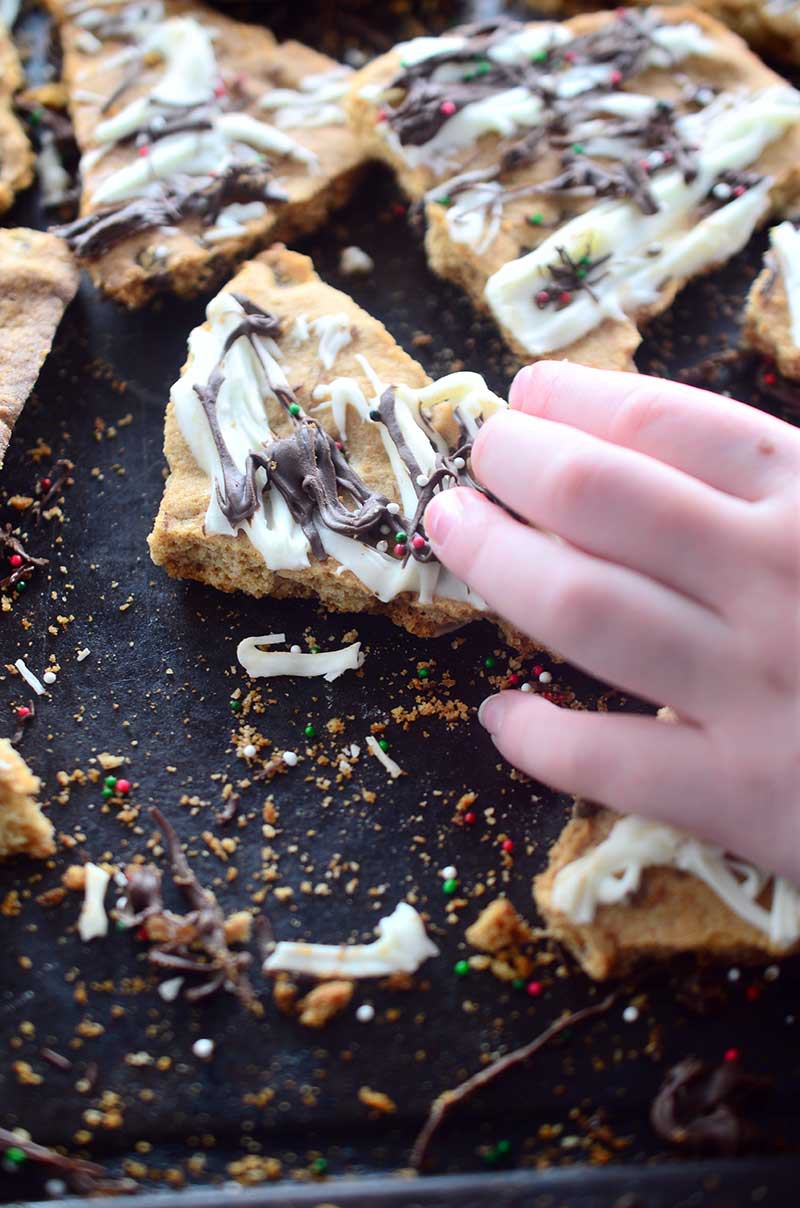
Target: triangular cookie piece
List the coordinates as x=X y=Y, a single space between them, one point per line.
x=304 y=444
x=24 y=830
x=38 y=279
x=16 y=154
x=202 y=139
x=621 y=890
x=772 y=317
x=574 y=176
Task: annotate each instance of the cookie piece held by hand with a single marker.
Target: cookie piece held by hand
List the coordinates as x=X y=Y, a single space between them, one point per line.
x=575 y=176
x=24 y=830
x=772 y=317
x=621 y=890
x=201 y=138
x=38 y=279
x=304 y=444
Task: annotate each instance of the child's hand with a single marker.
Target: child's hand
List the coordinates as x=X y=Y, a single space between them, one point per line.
x=677 y=578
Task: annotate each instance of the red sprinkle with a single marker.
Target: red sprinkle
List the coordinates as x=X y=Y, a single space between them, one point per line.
x=752 y=993
x=447 y=108
x=570 y=56
x=338 y=444
x=513 y=679
x=542 y=297
x=508 y=845
x=731 y=1055
x=141 y=934
x=616 y=77
x=122 y=786
x=534 y=988
x=738 y=190
x=644 y=165
x=399 y=209
x=16 y=560
x=45 y=484
x=399 y=551
x=470 y=817
x=380 y=116
x=220 y=89
x=22 y=712
x=565 y=297
x=769 y=379
x=418 y=542
x=145 y=150
x=537 y=669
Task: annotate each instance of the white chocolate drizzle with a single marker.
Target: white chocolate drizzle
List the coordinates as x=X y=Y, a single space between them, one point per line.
x=93 y=920
x=785 y=242
x=646 y=250
x=329 y=664
x=403 y=945
x=609 y=873
x=315 y=101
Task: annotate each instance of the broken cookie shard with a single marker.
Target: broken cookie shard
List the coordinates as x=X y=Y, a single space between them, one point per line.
x=24 y=830
x=772 y=317
x=574 y=176
x=619 y=890
x=16 y=154
x=302 y=464
x=201 y=139
x=38 y=279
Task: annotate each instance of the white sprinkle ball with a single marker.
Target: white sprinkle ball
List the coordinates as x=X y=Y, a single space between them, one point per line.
x=721 y=191
x=772 y=973
x=365 y=1013
x=421 y=480
x=734 y=974
x=630 y=1014
x=55 y=1188
x=50 y=678
x=295 y=650
x=249 y=751
x=393 y=509
x=382 y=546
x=170 y=989
x=459 y=463
x=790 y=1019
x=526 y=687
x=545 y=678
x=450 y=873
x=203 y=1048
x=290 y=757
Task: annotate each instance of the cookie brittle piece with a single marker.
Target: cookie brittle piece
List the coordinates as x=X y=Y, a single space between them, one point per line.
x=772 y=317
x=38 y=278
x=304 y=444
x=24 y=830
x=574 y=176
x=622 y=890
x=201 y=139
x=16 y=155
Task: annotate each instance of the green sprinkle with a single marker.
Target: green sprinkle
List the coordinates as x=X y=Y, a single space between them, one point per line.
x=535 y=219
x=16 y=1155
x=404 y=63
x=310 y=731
x=107 y=792
x=489 y=662
x=461 y=968
x=450 y=886
x=518 y=983
x=541 y=56
x=319 y=1165
x=445 y=200
x=401 y=537
x=20 y=586
x=502 y=1148
x=294 y=408
x=578 y=148
x=235 y=706
x=481 y=69
x=423 y=672
x=581 y=273
x=383 y=744
x=315 y=649
x=110 y=782
x=490 y=1156
x=120 y=926
x=36 y=116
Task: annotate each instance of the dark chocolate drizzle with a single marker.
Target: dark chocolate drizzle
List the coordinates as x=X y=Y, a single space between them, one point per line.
x=310 y=471
x=570 y=276
x=95 y=234
x=699 y=1108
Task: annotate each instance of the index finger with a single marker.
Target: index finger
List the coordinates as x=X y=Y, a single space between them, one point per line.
x=726 y=444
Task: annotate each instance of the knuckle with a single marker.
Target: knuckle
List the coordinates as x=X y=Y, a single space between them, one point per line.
x=640 y=410
x=573 y=481
x=578 y=603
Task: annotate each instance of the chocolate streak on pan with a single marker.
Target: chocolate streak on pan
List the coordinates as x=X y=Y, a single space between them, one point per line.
x=698 y=1108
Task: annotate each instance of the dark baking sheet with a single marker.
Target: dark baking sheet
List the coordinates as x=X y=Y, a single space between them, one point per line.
x=156 y=689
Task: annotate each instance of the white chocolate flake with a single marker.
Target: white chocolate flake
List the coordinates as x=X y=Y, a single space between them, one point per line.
x=402 y=947
x=785 y=242
x=329 y=664
x=93 y=920
x=392 y=768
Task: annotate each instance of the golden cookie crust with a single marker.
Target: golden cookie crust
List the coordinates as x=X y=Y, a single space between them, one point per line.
x=38 y=279
x=672 y=913
x=284 y=283
x=16 y=154
x=767 y=325
x=251 y=52
x=612 y=343
x=24 y=830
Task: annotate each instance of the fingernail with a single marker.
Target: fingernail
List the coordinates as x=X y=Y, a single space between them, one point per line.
x=489 y=713
x=519 y=387
x=443 y=514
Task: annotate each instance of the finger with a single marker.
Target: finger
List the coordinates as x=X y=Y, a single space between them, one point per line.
x=726 y=444
x=611 y=621
x=633 y=764
x=615 y=503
